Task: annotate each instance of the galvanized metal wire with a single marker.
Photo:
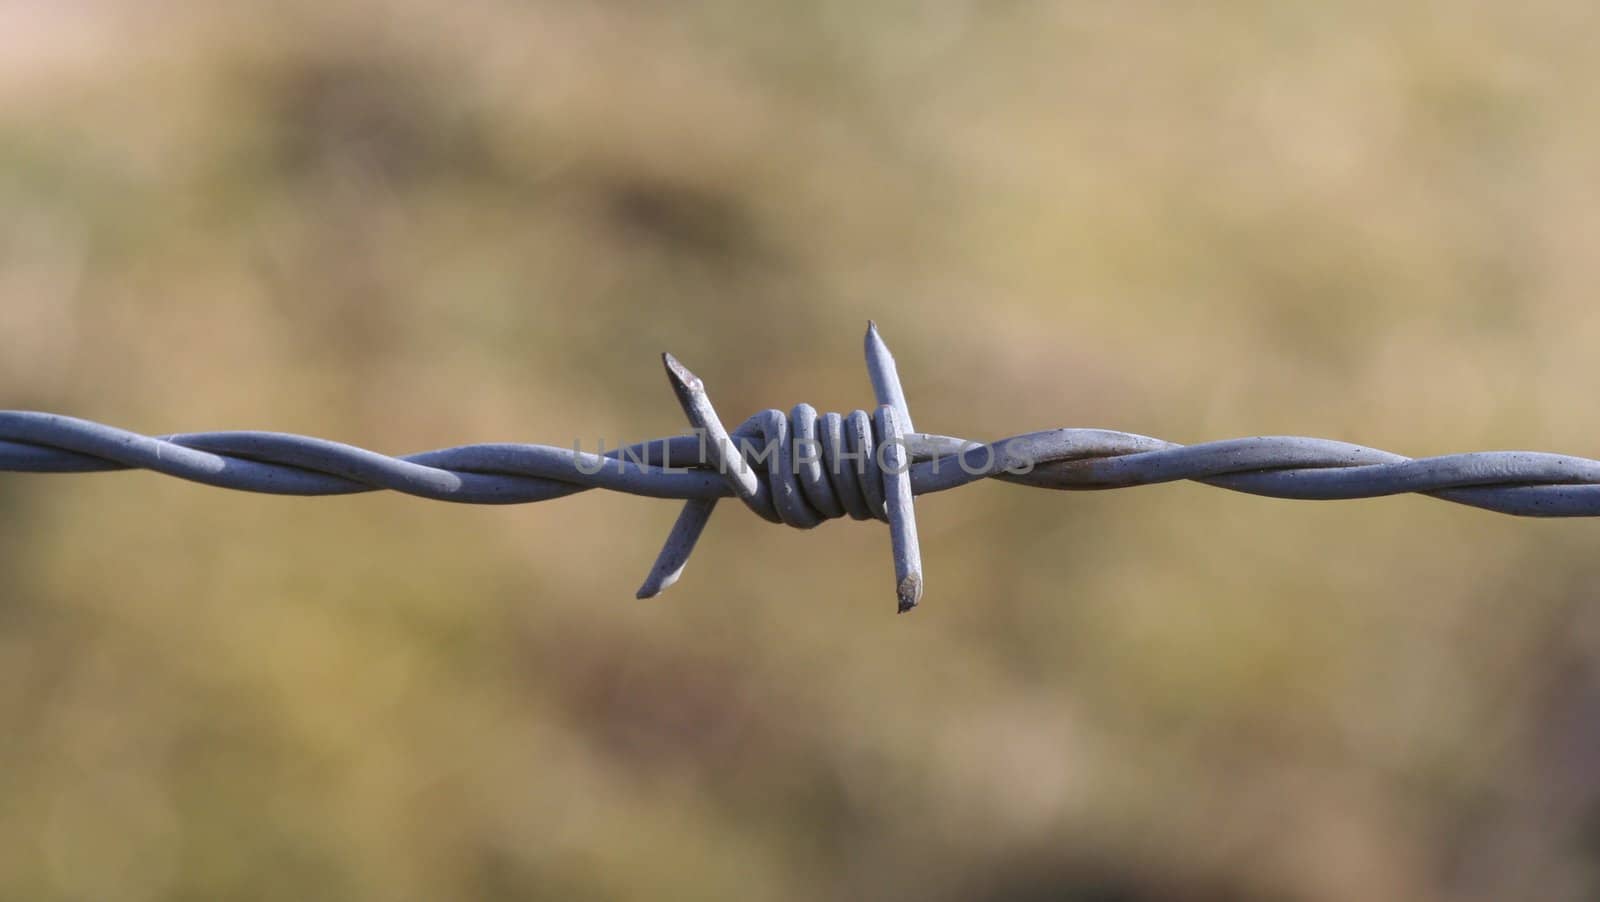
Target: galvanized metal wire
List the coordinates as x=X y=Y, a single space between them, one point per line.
x=865 y=466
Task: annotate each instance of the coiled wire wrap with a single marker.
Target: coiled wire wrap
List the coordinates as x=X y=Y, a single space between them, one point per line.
x=805 y=490
x=886 y=488
x=817 y=467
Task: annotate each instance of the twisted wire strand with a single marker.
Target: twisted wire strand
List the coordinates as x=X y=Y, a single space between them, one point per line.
x=855 y=469
x=1522 y=483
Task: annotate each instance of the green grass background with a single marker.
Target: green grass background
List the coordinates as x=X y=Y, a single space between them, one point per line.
x=414 y=225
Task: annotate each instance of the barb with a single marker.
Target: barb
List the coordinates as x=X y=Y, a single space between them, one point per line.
x=804 y=468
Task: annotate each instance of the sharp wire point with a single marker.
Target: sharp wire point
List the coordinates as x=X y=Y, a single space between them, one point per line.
x=885 y=376
x=723 y=453
x=902 y=513
x=679 y=374
x=909 y=594
x=674 y=555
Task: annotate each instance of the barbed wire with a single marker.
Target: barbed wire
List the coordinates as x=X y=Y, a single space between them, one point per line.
x=804 y=468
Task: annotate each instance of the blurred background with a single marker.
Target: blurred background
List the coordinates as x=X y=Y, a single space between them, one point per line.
x=411 y=225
